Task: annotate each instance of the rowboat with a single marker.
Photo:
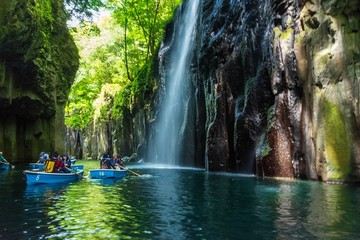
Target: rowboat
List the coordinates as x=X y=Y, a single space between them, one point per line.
x=77 y=167
x=36 y=166
x=41 y=166
x=107 y=173
x=4 y=166
x=39 y=177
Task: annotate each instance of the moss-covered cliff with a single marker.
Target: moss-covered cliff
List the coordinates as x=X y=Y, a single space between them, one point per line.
x=38 y=62
x=328 y=55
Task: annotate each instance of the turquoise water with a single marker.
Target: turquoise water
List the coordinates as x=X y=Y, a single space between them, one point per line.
x=177 y=204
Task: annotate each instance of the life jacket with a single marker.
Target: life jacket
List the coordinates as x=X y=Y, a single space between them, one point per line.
x=49 y=166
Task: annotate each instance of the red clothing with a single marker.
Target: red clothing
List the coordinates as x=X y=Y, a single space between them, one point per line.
x=58 y=165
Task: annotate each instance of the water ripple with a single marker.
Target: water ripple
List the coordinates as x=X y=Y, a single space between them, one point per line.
x=175 y=203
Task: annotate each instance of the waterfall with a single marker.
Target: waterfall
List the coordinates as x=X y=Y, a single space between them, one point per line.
x=166 y=145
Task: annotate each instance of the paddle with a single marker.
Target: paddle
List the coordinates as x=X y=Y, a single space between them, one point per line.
x=12 y=166
x=80 y=175
x=130 y=171
x=75 y=172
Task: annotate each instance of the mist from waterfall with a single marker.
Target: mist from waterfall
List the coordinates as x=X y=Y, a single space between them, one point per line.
x=166 y=146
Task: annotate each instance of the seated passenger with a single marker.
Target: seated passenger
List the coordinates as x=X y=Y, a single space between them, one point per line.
x=43 y=157
x=59 y=166
x=66 y=160
x=41 y=160
x=106 y=162
x=117 y=161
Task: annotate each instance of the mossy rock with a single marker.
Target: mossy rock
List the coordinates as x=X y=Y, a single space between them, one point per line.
x=284 y=35
x=337 y=142
x=287 y=34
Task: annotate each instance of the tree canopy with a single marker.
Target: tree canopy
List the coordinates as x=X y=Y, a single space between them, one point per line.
x=82 y=9
x=117 y=53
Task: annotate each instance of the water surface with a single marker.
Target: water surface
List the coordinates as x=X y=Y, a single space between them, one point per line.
x=177 y=204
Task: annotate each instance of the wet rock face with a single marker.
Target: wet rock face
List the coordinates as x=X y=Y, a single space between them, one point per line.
x=288 y=100
x=38 y=62
x=235 y=68
x=277 y=88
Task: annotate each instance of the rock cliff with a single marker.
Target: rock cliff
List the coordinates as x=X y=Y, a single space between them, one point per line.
x=38 y=62
x=274 y=89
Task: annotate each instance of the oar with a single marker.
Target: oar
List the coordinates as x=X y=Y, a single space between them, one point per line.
x=12 y=166
x=80 y=175
x=130 y=171
x=75 y=172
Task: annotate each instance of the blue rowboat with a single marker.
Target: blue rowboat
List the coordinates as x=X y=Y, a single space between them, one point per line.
x=75 y=167
x=36 y=165
x=107 y=173
x=4 y=166
x=39 y=177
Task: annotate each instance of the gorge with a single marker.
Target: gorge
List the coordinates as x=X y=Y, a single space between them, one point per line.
x=272 y=89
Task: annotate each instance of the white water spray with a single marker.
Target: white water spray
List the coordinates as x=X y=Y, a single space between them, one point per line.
x=171 y=116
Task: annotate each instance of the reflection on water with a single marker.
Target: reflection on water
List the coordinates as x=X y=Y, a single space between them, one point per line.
x=44 y=189
x=178 y=203
x=335 y=211
x=106 y=181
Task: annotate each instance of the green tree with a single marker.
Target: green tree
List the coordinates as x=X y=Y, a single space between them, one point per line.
x=82 y=9
x=143 y=22
x=117 y=55
x=100 y=64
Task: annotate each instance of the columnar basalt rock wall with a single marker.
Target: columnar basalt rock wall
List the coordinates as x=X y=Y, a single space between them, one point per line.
x=315 y=127
x=276 y=88
x=38 y=62
x=235 y=65
x=327 y=51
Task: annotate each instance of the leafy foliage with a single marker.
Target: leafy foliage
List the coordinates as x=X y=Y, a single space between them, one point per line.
x=117 y=54
x=143 y=22
x=83 y=9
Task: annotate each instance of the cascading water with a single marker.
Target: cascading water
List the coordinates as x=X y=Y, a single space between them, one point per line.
x=166 y=146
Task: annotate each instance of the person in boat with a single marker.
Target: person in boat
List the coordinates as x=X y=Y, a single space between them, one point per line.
x=66 y=160
x=46 y=156
x=106 y=162
x=117 y=162
x=102 y=161
x=43 y=156
x=2 y=159
x=41 y=160
x=59 y=166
